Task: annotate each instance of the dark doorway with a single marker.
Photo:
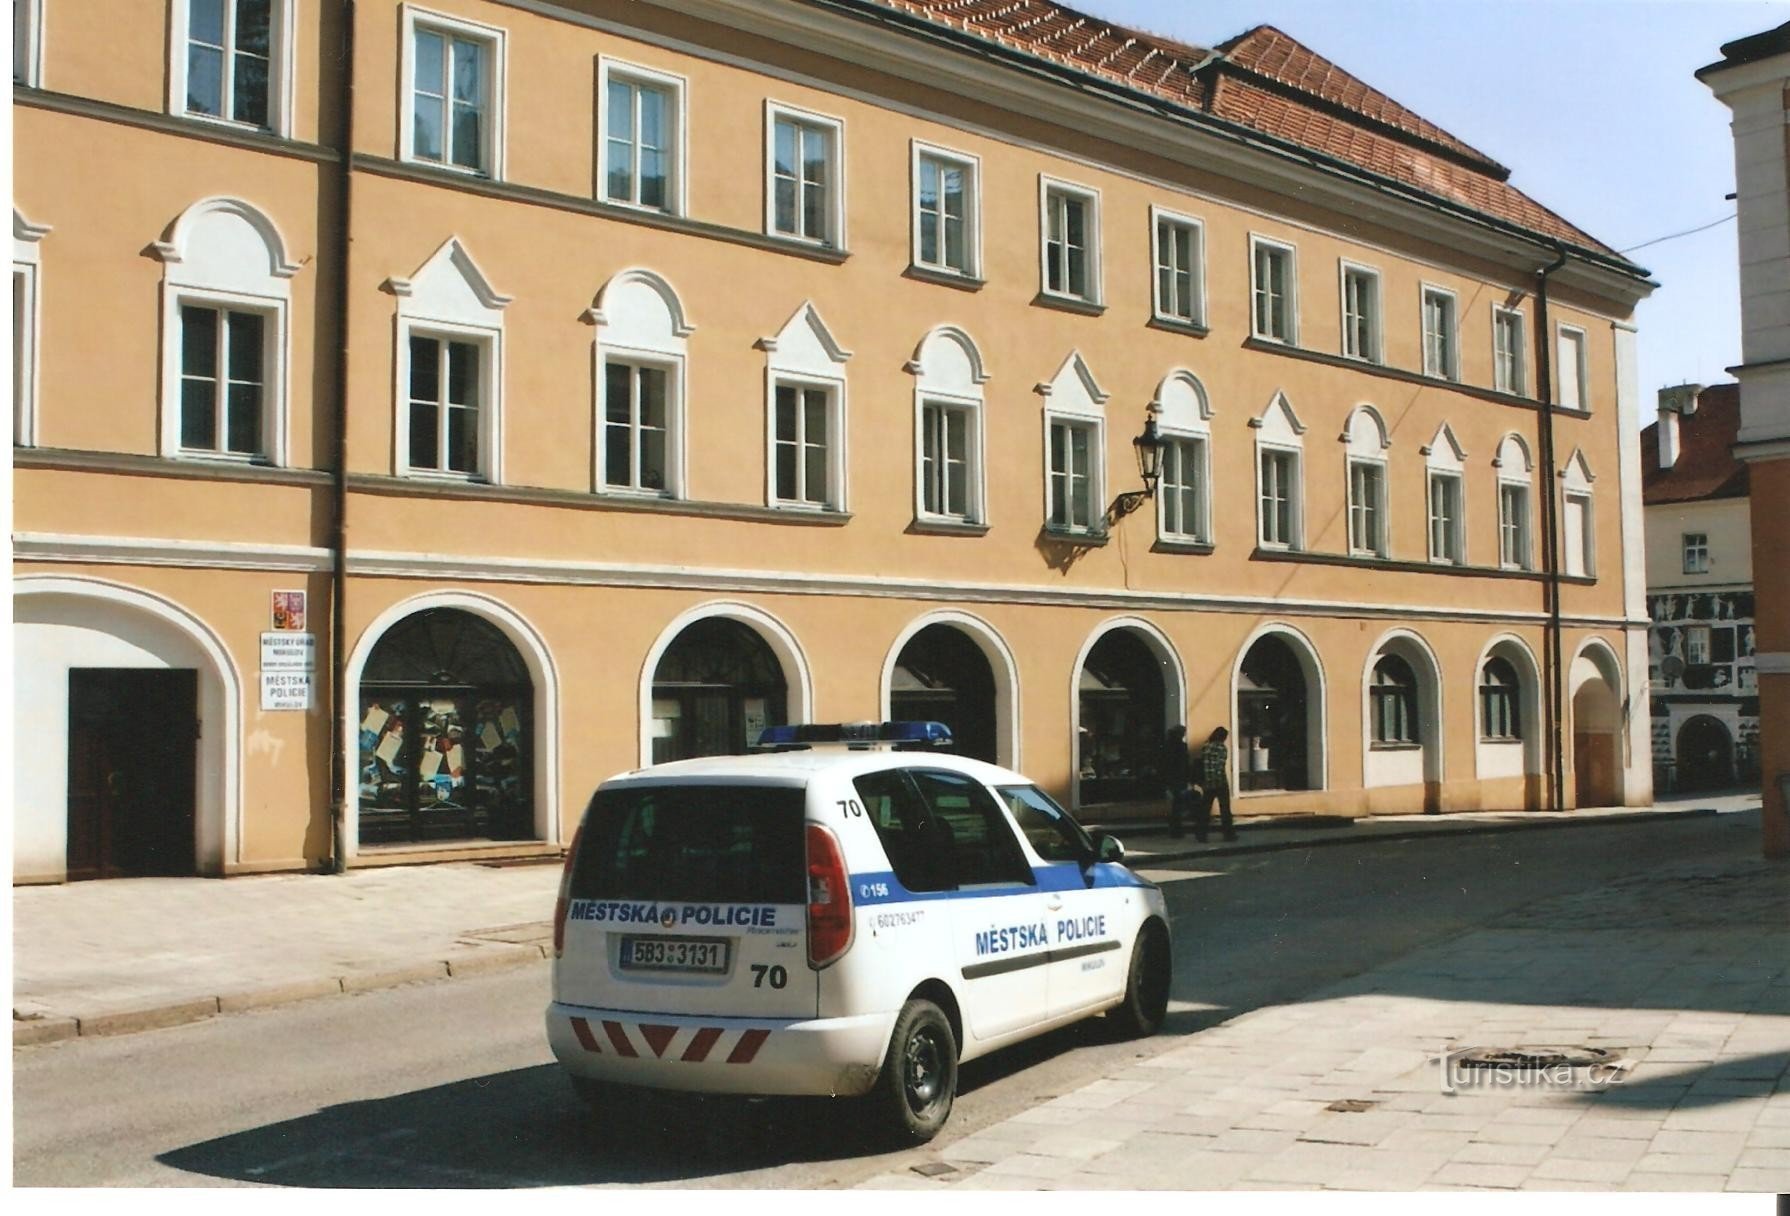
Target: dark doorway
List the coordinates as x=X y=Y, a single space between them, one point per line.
x=717 y=686
x=1123 y=715
x=943 y=676
x=1705 y=754
x=1271 y=719
x=446 y=734
x=131 y=770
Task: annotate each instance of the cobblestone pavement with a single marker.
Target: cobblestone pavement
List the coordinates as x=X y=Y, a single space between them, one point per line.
x=1685 y=974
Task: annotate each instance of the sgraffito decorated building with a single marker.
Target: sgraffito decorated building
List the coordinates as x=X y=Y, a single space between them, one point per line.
x=438 y=407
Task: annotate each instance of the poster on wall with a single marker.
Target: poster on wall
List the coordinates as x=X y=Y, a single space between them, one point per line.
x=289 y=611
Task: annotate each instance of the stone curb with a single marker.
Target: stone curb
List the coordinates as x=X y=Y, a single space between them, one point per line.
x=1344 y=837
x=484 y=960
x=480 y=961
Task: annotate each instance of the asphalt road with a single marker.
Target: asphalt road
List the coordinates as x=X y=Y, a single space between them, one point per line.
x=451 y=1084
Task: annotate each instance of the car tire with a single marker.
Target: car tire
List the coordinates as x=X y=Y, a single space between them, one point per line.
x=1140 y=1014
x=914 y=1092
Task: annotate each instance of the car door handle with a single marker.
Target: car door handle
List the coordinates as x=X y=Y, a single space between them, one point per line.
x=1055 y=906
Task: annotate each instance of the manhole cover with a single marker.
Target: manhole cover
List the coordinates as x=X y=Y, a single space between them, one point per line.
x=1534 y=1059
x=934 y=1169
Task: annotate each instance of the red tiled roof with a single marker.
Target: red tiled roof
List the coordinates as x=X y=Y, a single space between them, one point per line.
x=1265 y=81
x=1706 y=467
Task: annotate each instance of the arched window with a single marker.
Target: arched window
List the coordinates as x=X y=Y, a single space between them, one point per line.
x=1500 y=714
x=715 y=689
x=1393 y=699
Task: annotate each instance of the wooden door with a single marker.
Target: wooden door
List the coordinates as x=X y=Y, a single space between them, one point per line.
x=132 y=737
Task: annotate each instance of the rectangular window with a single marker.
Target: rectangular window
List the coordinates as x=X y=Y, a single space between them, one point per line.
x=636 y=426
x=222 y=385
x=945 y=212
x=1071 y=235
x=1182 y=489
x=1072 y=450
x=1696 y=645
x=1696 y=553
x=1499 y=721
x=1575 y=526
x=1272 y=286
x=1367 y=507
x=945 y=460
x=802 y=445
x=640 y=142
x=229 y=59
x=804 y=178
x=1361 y=313
x=1513 y=526
x=1446 y=533
x=1507 y=351
x=26 y=17
x=1572 y=373
x=1179 y=253
x=445 y=381
x=1280 y=471
x=452 y=120
x=1441 y=358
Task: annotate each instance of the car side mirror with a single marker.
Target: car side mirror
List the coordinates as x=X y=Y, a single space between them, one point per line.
x=1108 y=848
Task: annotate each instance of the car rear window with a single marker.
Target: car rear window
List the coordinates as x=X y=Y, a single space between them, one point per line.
x=696 y=843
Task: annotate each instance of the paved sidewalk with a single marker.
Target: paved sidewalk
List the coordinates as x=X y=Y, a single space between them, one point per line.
x=132 y=954
x=1685 y=974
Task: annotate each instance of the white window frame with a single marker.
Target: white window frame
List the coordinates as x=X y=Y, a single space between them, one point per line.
x=1374 y=512
x=952 y=381
x=1451 y=355
x=1697 y=638
x=677 y=128
x=28 y=43
x=1525 y=527
x=27 y=318
x=1048 y=188
x=971 y=407
x=1160 y=216
x=834 y=238
x=1581 y=369
x=1587 y=555
x=1696 y=556
x=489 y=408
x=805 y=355
x=1096 y=471
x=1258 y=242
x=1375 y=320
x=414 y=18
x=1457 y=527
x=1202 y=472
x=1295 y=496
x=833 y=494
x=281 y=68
x=273 y=372
x=674 y=421
x=971 y=165
x=1518 y=385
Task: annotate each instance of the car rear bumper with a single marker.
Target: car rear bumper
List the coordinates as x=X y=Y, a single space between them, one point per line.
x=812 y=1056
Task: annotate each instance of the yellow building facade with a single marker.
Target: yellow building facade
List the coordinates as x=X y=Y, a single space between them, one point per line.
x=615 y=379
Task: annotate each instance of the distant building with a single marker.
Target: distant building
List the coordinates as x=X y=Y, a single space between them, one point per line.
x=1700 y=593
x=1753 y=80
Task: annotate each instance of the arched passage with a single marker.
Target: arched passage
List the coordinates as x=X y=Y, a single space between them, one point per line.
x=1402 y=715
x=439 y=671
x=1595 y=679
x=1705 y=754
x=1129 y=689
x=952 y=667
x=111 y=775
x=716 y=677
x=1278 y=692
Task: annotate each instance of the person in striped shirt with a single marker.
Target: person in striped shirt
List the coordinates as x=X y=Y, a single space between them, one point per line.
x=1215 y=784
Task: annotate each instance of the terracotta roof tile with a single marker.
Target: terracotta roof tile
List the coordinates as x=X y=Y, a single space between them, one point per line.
x=1706 y=467
x=1265 y=81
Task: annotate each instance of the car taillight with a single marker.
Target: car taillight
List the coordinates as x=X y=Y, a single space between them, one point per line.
x=563 y=904
x=829 y=899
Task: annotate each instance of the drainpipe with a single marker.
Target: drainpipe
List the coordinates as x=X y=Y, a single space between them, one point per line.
x=338 y=627
x=1550 y=549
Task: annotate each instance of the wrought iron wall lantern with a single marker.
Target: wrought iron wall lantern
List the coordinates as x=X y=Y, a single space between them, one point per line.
x=1148 y=449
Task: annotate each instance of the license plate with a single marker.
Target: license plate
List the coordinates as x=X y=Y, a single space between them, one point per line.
x=707 y=955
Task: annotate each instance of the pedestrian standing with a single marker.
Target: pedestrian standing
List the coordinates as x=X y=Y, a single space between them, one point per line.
x=1215 y=771
x=1175 y=771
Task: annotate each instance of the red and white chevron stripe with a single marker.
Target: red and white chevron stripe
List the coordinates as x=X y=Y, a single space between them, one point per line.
x=689 y=1044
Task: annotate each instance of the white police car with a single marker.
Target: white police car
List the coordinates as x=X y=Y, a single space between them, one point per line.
x=839 y=920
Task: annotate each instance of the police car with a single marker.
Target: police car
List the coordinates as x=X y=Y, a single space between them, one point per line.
x=842 y=916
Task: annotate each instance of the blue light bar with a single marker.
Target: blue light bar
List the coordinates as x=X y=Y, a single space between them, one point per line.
x=913 y=734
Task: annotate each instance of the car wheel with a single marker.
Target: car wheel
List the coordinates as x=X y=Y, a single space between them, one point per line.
x=1146 y=986
x=919 y=1077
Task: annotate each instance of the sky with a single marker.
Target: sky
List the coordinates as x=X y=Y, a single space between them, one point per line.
x=1593 y=106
